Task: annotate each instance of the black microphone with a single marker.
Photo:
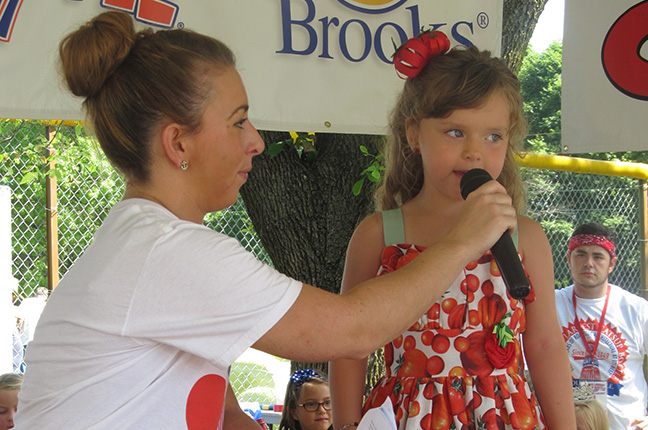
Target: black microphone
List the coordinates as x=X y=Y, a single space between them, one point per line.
x=503 y=251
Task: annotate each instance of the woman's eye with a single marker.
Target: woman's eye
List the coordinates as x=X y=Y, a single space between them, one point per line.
x=454 y=133
x=241 y=123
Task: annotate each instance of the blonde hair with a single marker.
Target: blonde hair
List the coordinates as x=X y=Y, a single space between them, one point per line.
x=463 y=78
x=11 y=381
x=590 y=415
x=133 y=81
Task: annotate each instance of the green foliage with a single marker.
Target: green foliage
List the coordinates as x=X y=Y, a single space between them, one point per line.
x=561 y=201
x=304 y=144
x=540 y=78
x=87 y=187
x=373 y=172
x=249 y=380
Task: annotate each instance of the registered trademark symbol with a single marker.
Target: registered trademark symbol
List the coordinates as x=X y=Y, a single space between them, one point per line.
x=482 y=20
x=180 y=25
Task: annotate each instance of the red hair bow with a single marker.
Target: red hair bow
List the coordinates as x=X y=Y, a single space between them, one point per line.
x=414 y=54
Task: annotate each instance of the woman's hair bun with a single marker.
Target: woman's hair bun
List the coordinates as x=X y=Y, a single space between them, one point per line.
x=91 y=54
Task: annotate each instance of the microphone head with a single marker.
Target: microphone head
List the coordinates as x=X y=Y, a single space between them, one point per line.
x=473 y=179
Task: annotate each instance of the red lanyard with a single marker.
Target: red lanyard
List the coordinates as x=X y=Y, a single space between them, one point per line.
x=591 y=348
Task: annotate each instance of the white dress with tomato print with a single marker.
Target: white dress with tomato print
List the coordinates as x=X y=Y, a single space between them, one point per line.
x=448 y=370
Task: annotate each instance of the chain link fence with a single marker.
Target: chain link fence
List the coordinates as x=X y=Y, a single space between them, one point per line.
x=560 y=201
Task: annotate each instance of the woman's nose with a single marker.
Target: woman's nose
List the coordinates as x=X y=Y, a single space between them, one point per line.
x=256 y=142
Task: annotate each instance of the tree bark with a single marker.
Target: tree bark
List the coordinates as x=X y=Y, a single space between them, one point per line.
x=519 y=21
x=305 y=213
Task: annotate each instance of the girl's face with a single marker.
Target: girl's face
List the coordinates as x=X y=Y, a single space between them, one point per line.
x=321 y=418
x=464 y=140
x=8 y=406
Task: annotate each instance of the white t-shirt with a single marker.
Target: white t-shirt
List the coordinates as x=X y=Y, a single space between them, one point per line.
x=141 y=332
x=622 y=347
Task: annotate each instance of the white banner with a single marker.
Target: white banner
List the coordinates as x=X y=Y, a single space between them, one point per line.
x=308 y=65
x=605 y=76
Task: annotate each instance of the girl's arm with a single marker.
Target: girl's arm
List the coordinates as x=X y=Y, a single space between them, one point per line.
x=544 y=347
x=347 y=376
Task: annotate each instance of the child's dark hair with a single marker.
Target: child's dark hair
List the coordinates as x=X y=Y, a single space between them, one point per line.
x=297 y=380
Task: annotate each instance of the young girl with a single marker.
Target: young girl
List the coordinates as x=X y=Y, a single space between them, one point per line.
x=461 y=365
x=10 y=384
x=307 y=405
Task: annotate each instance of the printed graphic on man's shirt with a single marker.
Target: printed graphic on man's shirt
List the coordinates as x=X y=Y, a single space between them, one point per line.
x=608 y=363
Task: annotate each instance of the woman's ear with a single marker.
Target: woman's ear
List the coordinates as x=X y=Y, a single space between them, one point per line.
x=172 y=143
x=293 y=414
x=412 y=134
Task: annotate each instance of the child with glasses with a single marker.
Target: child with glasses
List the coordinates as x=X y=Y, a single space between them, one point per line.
x=307 y=405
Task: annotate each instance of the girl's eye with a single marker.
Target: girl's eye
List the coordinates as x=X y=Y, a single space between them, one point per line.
x=495 y=137
x=454 y=133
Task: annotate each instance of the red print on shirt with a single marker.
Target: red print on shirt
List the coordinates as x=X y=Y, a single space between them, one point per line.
x=205 y=403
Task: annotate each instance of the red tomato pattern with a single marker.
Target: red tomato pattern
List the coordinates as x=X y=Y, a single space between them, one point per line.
x=438 y=375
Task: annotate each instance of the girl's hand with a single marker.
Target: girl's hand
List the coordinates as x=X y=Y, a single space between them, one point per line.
x=486 y=214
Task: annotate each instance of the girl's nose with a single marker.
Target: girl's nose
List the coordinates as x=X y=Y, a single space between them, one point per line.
x=472 y=149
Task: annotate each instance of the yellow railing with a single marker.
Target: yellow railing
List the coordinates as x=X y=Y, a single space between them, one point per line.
x=584 y=165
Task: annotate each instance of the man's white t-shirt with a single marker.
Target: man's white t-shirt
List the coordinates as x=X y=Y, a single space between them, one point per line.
x=142 y=330
x=622 y=347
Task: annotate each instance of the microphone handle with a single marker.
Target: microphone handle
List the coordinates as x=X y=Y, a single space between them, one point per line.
x=513 y=275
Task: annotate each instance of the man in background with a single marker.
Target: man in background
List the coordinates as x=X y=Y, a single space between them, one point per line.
x=605 y=329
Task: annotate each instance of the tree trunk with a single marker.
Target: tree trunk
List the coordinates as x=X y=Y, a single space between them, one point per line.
x=519 y=21
x=305 y=213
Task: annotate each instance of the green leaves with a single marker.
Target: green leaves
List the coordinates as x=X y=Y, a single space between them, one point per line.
x=303 y=143
x=374 y=172
x=503 y=332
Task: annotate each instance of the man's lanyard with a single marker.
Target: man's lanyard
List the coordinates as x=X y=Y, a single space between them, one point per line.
x=591 y=348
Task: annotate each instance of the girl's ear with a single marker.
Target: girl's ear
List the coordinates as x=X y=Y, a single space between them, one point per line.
x=172 y=143
x=412 y=133
x=293 y=414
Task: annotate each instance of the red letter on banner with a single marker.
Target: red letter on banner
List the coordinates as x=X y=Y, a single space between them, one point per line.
x=156 y=12
x=621 y=58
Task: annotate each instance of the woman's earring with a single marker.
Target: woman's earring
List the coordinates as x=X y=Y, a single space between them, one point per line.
x=184 y=165
x=417 y=151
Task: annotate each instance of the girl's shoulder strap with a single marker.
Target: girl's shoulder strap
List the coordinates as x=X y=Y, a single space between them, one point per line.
x=393 y=227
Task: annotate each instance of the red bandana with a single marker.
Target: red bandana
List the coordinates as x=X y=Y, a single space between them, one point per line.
x=591 y=239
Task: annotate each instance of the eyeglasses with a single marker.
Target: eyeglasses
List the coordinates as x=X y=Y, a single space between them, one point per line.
x=314 y=406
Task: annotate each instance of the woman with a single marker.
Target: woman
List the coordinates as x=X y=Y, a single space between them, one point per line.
x=142 y=330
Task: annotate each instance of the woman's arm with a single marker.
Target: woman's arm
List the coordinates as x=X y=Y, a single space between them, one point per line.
x=321 y=326
x=233 y=416
x=347 y=376
x=544 y=347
